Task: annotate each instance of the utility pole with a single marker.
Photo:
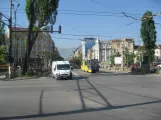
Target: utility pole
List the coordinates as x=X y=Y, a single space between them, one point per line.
x=10 y=40
x=15 y=36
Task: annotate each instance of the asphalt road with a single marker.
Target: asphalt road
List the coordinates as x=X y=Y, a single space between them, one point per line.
x=101 y=96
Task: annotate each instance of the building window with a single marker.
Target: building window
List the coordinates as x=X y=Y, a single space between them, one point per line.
x=118 y=45
x=128 y=44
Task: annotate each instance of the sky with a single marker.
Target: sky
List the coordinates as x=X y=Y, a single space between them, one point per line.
x=101 y=19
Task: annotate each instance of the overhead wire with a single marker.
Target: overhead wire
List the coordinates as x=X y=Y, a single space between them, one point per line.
x=67 y=38
x=125 y=14
x=104 y=5
x=99 y=15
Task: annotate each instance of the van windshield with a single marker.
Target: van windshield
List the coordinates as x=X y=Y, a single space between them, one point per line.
x=63 y=67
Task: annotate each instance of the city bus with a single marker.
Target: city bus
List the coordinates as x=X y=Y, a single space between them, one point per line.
x=90 y=66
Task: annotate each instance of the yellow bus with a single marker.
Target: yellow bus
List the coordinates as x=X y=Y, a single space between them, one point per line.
x=91 y=66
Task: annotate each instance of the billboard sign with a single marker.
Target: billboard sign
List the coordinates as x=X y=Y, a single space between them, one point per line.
x=118 y=60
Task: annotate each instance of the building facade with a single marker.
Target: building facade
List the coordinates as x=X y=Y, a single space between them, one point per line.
x=122 y=46
x=95 y=50
x=105 y=50
x=158 y=51
x=87 y=43
x=19 y=44
x=78 y=51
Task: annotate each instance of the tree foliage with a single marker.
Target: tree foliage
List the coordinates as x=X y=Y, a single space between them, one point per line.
x=76 y=60
x=148 y=35
x=55 y=56
x=130 y=58
x=39 y=13
x=2 y=31
x=112 y=59
x=3 y=51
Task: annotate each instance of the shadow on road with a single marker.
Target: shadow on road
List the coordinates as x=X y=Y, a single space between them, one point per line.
x=41 y=103
x=93 y=90
x=84 y=109
x=75 y=111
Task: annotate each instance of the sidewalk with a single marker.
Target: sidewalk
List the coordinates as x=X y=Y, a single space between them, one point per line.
x=106 y=70
x=135 y=73
x=17 y=78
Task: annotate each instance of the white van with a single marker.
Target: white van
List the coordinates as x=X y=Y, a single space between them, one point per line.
x=61 y=69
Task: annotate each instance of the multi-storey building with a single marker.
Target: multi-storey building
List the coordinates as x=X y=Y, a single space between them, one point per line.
x=105 y=49
x=158 y=51
x=121 y=46
x=77 y=51
x=19 y=44
x=87 y=43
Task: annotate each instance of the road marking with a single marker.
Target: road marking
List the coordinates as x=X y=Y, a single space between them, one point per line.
x=75 y=74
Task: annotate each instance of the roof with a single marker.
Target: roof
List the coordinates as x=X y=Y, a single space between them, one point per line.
x=105 y=41
x=158 y=46
x=79 y=48
x=120 y=40
x=61 y=62
x=136 y=47
x=19 y=29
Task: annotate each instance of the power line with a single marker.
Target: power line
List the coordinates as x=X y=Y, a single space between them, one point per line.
x=7 y=17
x=86 y=14
x=85 y=35
x=75 y=11
x=118 y=12
x=67 y=38
x=125 y=14
x=4 y=22
x=158 y=23
x=105 y=5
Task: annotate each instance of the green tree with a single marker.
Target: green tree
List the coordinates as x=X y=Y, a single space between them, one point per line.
x=148 y=35
x=3 y=51
x=130 y=58
x=76 y=60
x=2 y=31
x=112 y=59
x=39 y=14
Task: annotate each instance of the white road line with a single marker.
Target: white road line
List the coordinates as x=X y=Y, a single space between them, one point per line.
x=75 y=74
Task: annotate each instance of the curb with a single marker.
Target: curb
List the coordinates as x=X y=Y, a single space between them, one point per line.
x=113 y=70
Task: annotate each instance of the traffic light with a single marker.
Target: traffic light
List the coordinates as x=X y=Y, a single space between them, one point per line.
x=8 y=58
x=10 y=51
x=59 y=29
x=11 y=59
x=51 y=29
